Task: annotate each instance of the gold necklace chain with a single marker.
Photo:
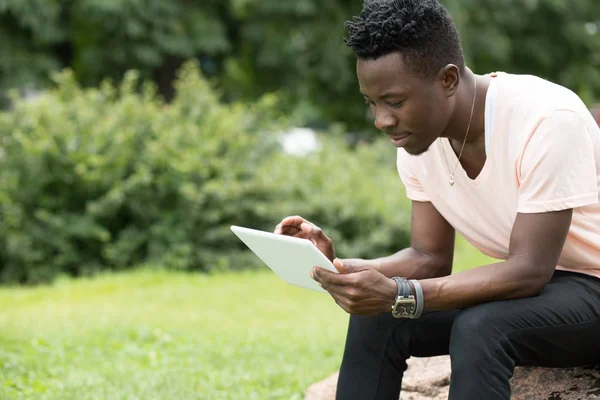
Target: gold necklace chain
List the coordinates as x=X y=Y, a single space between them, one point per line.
x=451 y=181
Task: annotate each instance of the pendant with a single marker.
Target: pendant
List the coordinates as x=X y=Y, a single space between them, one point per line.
x=451 y=180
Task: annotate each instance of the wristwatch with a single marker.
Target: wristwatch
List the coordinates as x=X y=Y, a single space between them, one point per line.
x=405 y=305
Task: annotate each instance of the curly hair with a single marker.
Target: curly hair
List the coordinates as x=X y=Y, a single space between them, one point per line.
x=421 y=30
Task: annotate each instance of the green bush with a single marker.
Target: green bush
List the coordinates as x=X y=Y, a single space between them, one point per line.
x=112 y=177
x=356 y=196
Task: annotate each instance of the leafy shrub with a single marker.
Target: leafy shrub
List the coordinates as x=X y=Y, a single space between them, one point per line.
x=355 y=196
x=112 y=177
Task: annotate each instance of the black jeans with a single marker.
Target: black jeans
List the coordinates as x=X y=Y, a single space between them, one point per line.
x=558 y=328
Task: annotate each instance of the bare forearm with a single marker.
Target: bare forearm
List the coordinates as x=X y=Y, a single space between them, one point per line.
x=412 y=264
x=502 y=281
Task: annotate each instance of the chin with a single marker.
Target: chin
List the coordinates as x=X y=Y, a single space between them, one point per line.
x=416 y=151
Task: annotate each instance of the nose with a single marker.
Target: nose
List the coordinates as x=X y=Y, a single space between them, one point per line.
x=384 y=121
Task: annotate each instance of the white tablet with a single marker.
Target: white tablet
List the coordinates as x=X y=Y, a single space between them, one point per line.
x=289 y=257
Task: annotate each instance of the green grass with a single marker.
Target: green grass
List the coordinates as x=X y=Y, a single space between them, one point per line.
x=163 y=335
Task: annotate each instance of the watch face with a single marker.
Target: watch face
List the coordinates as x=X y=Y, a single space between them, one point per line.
x=404 y=307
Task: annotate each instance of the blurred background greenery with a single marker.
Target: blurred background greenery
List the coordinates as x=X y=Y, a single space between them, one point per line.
x=294 y=48
x=137 y=131
x=133 y=133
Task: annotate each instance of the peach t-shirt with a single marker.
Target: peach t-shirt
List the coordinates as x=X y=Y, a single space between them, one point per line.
x=543 y=154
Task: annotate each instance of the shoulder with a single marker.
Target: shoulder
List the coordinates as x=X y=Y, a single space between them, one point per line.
x=527 y=103
x=529 y=95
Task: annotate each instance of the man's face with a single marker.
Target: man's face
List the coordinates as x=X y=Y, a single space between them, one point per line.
x=413 y=112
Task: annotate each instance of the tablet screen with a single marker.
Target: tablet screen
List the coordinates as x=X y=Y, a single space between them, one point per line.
x=289 y=257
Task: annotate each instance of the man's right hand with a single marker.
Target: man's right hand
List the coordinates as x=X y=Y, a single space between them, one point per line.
x=299 y=227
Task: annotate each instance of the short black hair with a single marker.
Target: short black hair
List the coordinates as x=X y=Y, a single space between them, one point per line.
x=421 y=30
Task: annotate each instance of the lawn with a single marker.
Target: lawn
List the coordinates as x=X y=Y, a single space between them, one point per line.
x=152 y=334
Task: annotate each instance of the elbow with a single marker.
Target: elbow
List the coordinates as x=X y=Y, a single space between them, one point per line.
x=533 y=289
x=443 y=269
x=433 y=265
x=440 y=267
x=534 y=283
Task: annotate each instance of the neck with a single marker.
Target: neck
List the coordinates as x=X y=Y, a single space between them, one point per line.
x=457 y=129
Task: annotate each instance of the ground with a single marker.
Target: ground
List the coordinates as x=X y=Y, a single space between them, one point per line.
x=159 y=335
x=152 y=334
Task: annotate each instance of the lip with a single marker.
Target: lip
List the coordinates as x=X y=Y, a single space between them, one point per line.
x=400 y=140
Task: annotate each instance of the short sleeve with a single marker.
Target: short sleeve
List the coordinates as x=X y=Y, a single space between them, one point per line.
x=406 y=169
x=558 y=166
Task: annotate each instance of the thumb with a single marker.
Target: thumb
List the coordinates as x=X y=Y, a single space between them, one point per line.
x=344 y=267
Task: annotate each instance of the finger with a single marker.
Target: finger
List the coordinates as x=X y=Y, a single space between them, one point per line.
x=312 y=232
x=291 y=231
x=286 y=230
x=340 y=302
x=351 y=266
x=342 y=295
x=292 y=226
x=332 y=278
x=351 y=300
x=357 y=262
x=312 y=229
x=339 y=292
x=342 y=267
x=298 y=231
x=295 y=220
x=342 y=298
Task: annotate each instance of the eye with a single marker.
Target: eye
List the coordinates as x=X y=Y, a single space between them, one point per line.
x=396 y=104
x=369 y=102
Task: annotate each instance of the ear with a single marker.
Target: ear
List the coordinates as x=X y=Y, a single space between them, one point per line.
x=449 y=77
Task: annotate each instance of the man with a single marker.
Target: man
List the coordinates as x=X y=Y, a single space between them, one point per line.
x=512 y=163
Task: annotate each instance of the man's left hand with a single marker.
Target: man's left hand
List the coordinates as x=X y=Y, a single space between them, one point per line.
x=358 y=290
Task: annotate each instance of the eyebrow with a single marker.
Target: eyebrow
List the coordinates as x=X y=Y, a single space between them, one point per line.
x=388 y=94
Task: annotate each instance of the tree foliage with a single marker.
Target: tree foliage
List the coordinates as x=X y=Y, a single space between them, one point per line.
x=113 y=177
x=251 y=47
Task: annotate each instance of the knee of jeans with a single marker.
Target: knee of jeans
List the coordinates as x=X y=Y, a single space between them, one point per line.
x=376 y=331
x=476 y=326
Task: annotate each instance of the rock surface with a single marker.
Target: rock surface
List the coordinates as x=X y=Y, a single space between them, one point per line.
x=429 y=379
